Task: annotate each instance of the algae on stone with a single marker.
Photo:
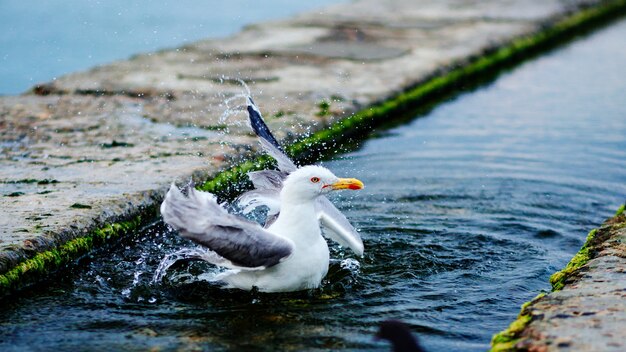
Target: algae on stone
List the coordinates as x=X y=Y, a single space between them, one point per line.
x=507 y=339
x=43 y=263
x=581 y=258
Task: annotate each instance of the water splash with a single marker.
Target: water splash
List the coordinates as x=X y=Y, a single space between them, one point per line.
x=127 y=291
x=239 y=108
x=185 y=254
x=342 y=275
x=351 y=265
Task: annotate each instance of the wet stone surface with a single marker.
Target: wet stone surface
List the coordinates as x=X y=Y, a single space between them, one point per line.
x=94 y=146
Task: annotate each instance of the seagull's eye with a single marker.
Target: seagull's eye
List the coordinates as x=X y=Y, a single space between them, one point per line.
x=315 y=179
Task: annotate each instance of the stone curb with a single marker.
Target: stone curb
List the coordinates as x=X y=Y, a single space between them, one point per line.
x=586 y=310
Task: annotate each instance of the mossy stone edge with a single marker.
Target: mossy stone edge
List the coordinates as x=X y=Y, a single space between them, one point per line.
x=508 y=339
x=42 y=264
x=557 y=280
x=34 y=269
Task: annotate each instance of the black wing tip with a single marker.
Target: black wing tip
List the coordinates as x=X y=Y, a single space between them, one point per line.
x=259 y=126
x=253 y=114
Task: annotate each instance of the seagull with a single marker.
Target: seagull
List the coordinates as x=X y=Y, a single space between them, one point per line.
x=288 y=253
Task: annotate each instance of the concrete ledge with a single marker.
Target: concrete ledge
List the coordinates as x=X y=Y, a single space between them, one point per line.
x=100 y=147
x=586 y=310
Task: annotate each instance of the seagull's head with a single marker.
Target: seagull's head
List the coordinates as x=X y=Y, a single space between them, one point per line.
x=308 y=182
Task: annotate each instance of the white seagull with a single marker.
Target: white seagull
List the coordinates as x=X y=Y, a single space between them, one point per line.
x=289 y=253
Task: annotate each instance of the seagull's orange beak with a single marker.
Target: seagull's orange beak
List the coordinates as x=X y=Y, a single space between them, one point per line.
x=347 y=183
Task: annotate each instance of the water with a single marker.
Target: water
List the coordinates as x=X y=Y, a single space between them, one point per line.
x=40 y=41
x=467 y=212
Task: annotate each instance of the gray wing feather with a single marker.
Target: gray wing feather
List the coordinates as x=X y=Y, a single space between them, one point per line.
x=284 y=163
x=337 y=227
x=201 y=219
x=267 y=184
x=259 y=197
x=268 y=179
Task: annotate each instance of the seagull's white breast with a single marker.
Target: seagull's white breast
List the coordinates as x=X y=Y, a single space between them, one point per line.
x=307 y=265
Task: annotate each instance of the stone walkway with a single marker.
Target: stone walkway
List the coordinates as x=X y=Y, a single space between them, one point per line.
x=101 y=146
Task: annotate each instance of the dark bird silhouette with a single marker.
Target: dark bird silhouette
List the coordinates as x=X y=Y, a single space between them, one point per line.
x=400 y=336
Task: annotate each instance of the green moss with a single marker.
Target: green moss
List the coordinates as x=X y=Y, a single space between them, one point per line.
x=80 y=206
x=337 y=98
x=39 y=266
x=46 y=182
x=527 y=304
x=581 y=258
x=620 y=210
x=228 y=179
x=324 y=107
x=220 y=127
x=507 y=339
x=116 y=144
x=32 y=180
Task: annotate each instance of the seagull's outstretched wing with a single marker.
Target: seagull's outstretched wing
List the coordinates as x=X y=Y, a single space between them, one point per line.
x=268 y=184
x=337 y=227
x=201 y=219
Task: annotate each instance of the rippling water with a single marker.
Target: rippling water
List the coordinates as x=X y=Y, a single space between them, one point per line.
x=467 y=212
